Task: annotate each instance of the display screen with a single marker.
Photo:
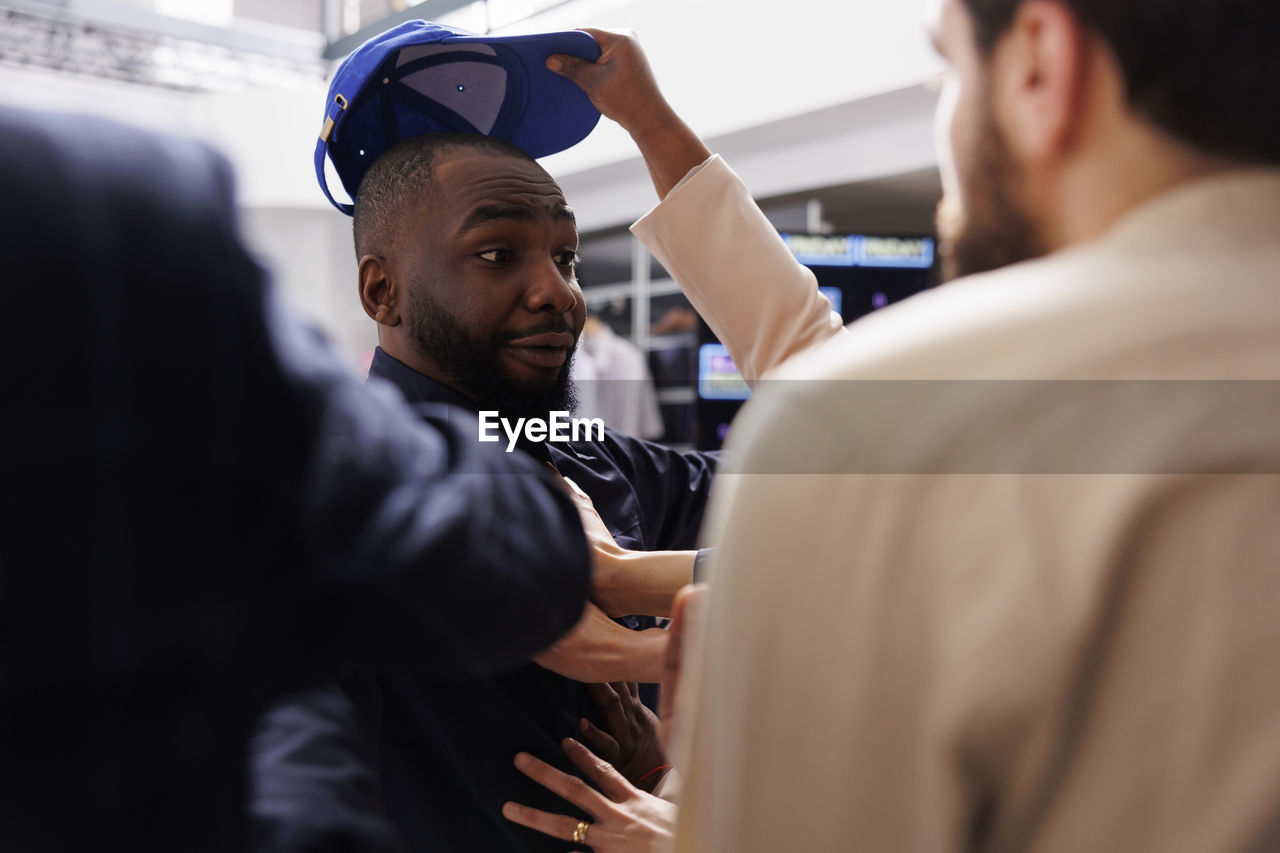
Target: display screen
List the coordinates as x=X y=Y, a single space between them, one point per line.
x=859 y=250
x=718 y=378
x=858 y=273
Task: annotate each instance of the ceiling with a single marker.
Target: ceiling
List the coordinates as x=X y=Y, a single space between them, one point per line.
x=900 y=203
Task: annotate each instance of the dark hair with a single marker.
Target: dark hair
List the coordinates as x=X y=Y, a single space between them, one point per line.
x=402 y=176
x=1204 y=71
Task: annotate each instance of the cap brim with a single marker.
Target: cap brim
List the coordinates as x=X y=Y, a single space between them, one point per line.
x=558 y=114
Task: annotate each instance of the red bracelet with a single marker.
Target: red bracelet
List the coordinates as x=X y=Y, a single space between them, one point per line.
x=654 y=770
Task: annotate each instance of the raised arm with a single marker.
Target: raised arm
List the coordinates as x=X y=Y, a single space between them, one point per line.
x=706 y=231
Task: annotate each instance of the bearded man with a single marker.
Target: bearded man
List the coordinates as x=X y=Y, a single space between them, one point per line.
x=467 y=255
x=1018 y=536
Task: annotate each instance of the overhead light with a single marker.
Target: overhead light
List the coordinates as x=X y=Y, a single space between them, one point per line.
x=216 y=13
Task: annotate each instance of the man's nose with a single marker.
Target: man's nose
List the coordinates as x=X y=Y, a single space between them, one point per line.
x=550 y=289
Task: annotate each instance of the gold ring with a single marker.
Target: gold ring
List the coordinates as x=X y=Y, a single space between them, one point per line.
x=580 y=832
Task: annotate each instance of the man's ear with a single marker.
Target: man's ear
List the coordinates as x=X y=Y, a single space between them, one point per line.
x=380 y=296
x=1038 y=80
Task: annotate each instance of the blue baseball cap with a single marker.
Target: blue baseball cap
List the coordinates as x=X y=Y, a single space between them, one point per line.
x=421 y=77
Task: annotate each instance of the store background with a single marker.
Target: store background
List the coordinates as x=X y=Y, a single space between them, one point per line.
x=823 y=107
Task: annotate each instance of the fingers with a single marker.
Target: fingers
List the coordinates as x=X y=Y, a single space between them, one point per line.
x=569 y=787
x=575 y=489
x=591 y=521
x=609 y=702
x=556 y=825
x=685 y=612
x=686 y=608
x=606 y=38
x=604 y=774
x=619 y=49
x=621 y=712
x=629 y=705
x=569 y=66
x=601 y=743
x=572 y=489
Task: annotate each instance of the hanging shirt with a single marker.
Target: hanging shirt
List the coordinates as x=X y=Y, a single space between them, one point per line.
x=613 y=374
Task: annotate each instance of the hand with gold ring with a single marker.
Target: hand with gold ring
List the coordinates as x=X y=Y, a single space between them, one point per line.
x=624 y=818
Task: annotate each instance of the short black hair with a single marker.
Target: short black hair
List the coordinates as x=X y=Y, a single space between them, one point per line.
x=1204 y=71
x=400 y=177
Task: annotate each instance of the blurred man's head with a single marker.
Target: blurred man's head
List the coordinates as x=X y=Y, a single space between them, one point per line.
x=1057 y=116
x=468 y=257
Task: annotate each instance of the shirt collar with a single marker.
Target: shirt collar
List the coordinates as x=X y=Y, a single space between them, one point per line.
x=414 y=386
x=419 y=388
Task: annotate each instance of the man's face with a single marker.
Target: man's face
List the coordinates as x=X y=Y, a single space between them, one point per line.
x=488 y=259
x=982 y=220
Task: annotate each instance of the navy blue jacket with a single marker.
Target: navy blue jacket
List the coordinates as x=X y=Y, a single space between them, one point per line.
x=389 y=753
x=200 y=508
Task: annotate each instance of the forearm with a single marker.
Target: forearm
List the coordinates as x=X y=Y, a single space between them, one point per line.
x=597 y=654
x=669 y=147
x=736 y=271
x=647 y=581
x=636 y=658
x=598 y=649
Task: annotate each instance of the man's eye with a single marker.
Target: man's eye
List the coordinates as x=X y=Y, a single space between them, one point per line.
x=568 y=259
x=498 y=256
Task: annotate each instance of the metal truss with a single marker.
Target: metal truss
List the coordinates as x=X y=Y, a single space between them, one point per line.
x=31 y=39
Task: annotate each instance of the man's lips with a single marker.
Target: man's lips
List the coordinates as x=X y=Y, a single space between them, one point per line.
x=546 y=350
x=559 y=340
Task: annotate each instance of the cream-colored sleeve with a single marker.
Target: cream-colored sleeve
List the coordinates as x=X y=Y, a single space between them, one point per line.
x=736 y=271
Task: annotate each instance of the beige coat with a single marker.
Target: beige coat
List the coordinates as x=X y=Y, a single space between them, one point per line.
x=994 y=610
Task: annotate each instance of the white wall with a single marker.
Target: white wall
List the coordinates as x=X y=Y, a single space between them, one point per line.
x=727 y=66
x=310 y=256
x=158 y=109
x=270 y=136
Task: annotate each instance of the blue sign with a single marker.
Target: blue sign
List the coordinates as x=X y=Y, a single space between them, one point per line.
x=858 y=250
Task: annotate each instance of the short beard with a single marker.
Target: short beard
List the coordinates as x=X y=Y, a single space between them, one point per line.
x=474 y=368
x=992 y=230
